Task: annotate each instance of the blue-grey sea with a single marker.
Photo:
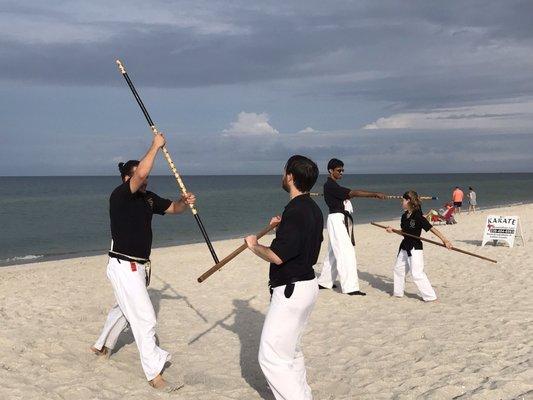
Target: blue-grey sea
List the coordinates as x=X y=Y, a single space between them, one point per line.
x=59 y=217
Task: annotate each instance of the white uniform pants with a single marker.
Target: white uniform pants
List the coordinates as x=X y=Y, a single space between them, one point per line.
x=340 y=261
x=280 y=355
x=133 y=306
x=415 y=264
x=116 y=322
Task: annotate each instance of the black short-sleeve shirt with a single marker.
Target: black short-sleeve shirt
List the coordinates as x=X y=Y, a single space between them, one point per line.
x=335 y=195
x=413 y=225
x=297 y=242
x=131 y=219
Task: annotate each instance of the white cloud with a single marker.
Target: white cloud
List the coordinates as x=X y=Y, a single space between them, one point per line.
x=251 y=124
x=517 y=115
x=308 y=130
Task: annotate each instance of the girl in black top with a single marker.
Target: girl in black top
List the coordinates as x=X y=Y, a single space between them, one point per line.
x=410 y=255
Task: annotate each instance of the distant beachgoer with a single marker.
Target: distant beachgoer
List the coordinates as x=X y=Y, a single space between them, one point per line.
x=131 y=208
x=410 y=255
x=472 y=200
x=457 y=198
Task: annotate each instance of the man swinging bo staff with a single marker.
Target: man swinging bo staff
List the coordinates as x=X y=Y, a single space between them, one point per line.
x=167 y=157
x=131 y=208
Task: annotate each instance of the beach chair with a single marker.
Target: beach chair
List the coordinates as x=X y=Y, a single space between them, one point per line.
x=446 y=217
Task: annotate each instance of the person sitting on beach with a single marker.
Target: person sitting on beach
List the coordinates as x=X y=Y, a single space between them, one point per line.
x=131 y=208
x=472 y=200
x=457 y=198
x=410 y=255
x=446 y=214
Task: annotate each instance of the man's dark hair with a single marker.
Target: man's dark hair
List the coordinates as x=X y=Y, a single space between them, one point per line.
x=304 y=172
x=125 y=168
x=334 y=163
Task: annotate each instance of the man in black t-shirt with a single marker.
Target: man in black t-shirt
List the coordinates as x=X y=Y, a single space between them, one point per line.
x=340 y=261
x=292 y=255
x=131 y=208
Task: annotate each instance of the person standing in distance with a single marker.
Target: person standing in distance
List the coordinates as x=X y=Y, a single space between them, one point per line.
x=457 y=198
x=472 y=200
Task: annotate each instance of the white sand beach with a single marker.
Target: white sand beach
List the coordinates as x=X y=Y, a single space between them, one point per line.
x=474 y=343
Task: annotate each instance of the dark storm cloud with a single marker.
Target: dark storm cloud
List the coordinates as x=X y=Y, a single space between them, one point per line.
x=425 y=52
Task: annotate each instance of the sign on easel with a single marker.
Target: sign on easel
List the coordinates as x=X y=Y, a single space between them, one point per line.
x=502 y=229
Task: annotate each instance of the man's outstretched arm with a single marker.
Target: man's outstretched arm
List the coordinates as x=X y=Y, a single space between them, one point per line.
x=364 y=193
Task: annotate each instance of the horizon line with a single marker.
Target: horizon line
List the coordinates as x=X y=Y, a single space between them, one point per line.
x=321 y=174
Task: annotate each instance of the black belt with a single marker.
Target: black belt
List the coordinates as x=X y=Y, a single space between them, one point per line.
x=127 y=258
x=347 y=219
x=407 y=249
x=142 y=261
x=289 y=289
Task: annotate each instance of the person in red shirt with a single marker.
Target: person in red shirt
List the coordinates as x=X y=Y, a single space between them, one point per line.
x=457 y=198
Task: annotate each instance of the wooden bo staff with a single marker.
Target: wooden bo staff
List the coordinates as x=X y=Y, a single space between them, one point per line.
x=388 y=197
x=179 y=181
x=232 y=255
x=434 y=242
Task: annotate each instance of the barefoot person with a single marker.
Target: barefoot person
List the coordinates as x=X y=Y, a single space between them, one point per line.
x=340 y=261
x=410 y=255
x=292 y=255
x=131 y=208
x=457 y=198
x=472 y=200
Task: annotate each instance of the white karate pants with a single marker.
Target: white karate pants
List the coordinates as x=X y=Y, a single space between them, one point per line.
x=340 y=261
x=415 y=264
x=280 y=354
x=133 y=306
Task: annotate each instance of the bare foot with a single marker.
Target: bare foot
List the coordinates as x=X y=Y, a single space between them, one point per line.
x=105 y=353
x=160 y=384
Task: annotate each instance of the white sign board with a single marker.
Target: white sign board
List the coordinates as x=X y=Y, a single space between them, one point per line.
x=499 y=228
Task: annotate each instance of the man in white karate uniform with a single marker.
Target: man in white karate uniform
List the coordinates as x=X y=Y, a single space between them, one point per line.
x=294 y=289
x=340 y=261
x=131 y=208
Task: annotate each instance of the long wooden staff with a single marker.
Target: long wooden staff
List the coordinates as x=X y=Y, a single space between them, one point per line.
x=434 y=242
x=388 y=197
x=167 y=157
x=420 y=197
x=232 y=255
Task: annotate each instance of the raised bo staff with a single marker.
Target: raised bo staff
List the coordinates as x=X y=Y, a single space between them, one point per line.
x=232 y=255
x=434 y=242
x=167 y=157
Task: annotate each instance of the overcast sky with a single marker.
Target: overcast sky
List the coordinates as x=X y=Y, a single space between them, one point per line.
x=238 y=86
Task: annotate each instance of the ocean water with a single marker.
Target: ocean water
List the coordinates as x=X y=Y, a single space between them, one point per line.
x=59 y=217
